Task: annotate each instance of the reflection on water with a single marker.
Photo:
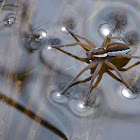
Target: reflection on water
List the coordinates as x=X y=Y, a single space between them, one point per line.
x=33 y=74
x=35 y=40
x=128 y=94
x=104 y=30
x=9 y=21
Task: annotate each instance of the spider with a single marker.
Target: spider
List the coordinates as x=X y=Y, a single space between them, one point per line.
x=97 y=58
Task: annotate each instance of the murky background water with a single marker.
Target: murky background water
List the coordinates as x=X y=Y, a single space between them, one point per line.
x=33 y=74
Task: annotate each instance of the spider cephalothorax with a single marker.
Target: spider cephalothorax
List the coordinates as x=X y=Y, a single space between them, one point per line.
x=106 y=55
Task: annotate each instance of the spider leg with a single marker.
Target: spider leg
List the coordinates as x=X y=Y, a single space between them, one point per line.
x=81 y=72
x=130 y=67
x=106 y=42
x=73 y=44
x=76 y=35
x=81 y=81
x=119 y=38
x=123 y=80
x=96 y=72
x=74 y=56
x=97 y=82
x=88 y=79
x=109 y=38
x=93 y=87
x=113 y=76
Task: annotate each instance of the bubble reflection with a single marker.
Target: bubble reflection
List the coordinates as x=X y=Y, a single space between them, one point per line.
x=63 y=29
x=128 y=94
x=104 y=29
x=49 y=48
x=35 y=41
x=79 y=109
x=41 y=34
x=81 y=105
x=9 y=21
x=58 y=97
x=70 y=92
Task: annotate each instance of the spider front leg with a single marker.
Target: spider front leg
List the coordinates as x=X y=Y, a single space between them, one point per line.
x=73 y=44
x=97 y=82
x=82 y=81
x=106 y=42
x=96 y=72
x=119 y=38
x=93 y=64
x=109 y=38
x=89 y=79
x=74 y=56
x=76 y=35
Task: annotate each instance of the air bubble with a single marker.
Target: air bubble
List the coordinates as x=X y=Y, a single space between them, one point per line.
x=104 y=29
x=128 y=93
x=9 y=21
x=58 y=97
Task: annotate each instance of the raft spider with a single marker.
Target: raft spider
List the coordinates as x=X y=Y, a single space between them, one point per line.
x=99 y=57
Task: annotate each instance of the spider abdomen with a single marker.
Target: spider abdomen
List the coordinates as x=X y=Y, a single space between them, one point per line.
x=116 y=49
